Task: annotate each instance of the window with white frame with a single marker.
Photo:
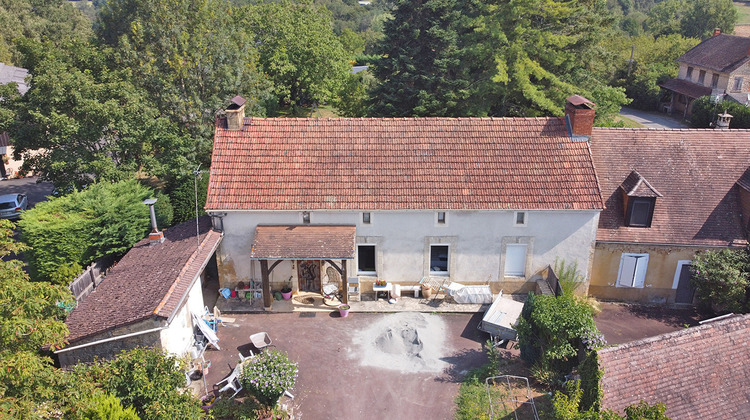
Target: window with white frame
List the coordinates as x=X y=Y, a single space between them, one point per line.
x=366 y=259
x=439 y=259
x=441 y=217
x=515 y=260
x=737 y=84
x=519 y=218
x=632 y=270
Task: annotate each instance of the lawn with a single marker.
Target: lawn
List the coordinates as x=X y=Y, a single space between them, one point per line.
x=743 y=9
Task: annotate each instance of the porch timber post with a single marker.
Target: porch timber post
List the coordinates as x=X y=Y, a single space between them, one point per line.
x=265 y=283
x=344 y=283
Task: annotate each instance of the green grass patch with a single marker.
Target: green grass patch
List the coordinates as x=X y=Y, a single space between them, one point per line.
x=743 y=11
x=628 y=123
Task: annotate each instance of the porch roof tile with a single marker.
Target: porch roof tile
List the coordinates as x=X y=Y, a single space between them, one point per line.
x=400 y=164
x=302 y=242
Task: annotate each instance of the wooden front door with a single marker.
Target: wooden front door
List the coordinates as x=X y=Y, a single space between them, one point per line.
x=308 y=273
x=685 y=290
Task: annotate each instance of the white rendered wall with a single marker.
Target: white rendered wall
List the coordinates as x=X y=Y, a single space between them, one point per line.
x=477 y=241
x=178 y=336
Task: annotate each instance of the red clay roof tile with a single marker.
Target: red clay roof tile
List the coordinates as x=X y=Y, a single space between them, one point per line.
x=400 y=163
x=699 y=373
x=694 y=170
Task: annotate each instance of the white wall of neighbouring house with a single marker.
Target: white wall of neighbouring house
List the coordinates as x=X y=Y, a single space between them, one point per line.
x=177 y=338
x=477 y=241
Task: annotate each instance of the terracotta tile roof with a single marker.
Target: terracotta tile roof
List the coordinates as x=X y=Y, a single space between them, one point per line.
x=686 y=88
x=723 y=53
x=694 y=170
x=299 y=242
x=699 y=373
x=148 y=281
x=400 y=163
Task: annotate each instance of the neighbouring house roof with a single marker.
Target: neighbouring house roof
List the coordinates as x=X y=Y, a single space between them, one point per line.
x=722 y=53
x=14 y=74
x=699 y=372
x=686 y=88
x=694 y=171
x=300 y=242
x=400 y=164
x=4 y=139
x=148 y=281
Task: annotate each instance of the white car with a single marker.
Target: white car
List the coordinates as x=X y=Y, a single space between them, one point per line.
x=11 y=205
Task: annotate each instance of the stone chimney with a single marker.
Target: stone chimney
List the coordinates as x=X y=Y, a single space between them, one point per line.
x=236 y=113
x=155 y=237
x=722 y=121
x=579 y=115
x=717 y=31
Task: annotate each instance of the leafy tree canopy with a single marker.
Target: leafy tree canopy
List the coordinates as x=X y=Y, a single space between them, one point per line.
x=82 y=120
x=722 y=279
x=40 y=20
x=190 y=56
x=692 y=19
x=298 y=49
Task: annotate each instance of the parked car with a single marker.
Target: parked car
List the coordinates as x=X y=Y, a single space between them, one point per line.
x=11 y=205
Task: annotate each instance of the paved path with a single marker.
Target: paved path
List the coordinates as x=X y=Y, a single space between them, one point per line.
x=652 y=119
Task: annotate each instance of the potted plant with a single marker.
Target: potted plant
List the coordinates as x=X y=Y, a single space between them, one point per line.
x=344 y=310
x=286 y=292
x=426 y=291
x=268 y=375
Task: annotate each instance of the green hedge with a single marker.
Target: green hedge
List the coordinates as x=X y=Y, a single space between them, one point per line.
x=705 y=112
x=78 y=228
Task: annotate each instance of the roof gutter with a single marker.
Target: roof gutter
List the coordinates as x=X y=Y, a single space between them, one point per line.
x=106 y=340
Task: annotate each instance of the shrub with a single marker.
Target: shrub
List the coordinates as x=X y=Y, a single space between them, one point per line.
x=108 y=407
x=268 y=375
x=182 y=197
x=66 y=273
x=78 y=228
x=149 y=380
x=721 y=279
x=705 y=110
x=552 y=330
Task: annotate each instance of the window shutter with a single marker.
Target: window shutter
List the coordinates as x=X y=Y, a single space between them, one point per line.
x=515 y=260
x=640 y=271
x=627 y=271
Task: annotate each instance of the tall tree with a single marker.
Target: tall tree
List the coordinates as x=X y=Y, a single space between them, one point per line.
x=423 y=71
x=298 y=50
x=50 y=20
x=546 y=50
x=82 y=120
x=191 y=57
x=692 y=19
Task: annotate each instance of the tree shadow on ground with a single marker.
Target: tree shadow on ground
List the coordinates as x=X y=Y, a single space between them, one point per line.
x=669 y=316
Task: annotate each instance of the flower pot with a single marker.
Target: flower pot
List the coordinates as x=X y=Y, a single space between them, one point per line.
x=426 y=291
x=286 y=295
x=344 y=310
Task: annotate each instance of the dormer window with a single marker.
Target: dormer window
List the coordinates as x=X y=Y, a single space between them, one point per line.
x=689 y=75
x=639 y=197
x=702 y=77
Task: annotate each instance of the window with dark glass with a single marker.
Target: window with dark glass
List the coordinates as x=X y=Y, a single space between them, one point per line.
x=520 y=218
x=690 y=73
x=737 y=84
x=702 y=77
x=366 y=258
x=306 y=217
x=366 y=218
x=640 y=212
x=439 y=258
x=715 y=81
x=441 y=217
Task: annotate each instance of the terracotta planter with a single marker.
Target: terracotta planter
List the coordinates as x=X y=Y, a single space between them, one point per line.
x=426 y=291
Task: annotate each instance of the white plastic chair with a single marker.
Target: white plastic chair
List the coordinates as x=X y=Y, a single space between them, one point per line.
x=233 y=381
x=260 y=340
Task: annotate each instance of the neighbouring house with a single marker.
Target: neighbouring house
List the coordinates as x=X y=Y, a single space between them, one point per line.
x=471 y=200
x=699 y=372
x=668 y=194
x=718 y=66
x=148 y=298
x=8 y=74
